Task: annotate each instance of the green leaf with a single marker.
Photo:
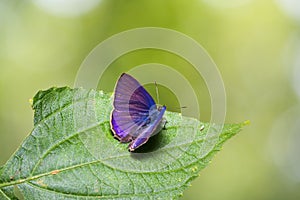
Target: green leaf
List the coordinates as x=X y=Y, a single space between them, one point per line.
x=71 y=153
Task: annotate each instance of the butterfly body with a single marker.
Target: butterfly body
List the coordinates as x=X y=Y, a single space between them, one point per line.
x=136 y=116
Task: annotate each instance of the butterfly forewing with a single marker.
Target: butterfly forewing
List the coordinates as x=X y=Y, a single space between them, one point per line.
x=131 y=108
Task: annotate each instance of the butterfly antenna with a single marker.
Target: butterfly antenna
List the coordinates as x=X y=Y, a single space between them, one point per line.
x=157 y=95
x=178 y=108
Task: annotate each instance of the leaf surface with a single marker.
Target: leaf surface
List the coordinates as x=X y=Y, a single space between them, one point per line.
x=71 y=153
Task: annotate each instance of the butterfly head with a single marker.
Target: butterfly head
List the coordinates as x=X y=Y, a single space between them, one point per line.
x=161 y=107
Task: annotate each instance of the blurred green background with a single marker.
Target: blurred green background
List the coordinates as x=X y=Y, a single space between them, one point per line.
x=255 y=44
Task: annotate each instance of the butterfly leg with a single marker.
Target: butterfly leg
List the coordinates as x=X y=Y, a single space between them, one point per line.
x=164 y=124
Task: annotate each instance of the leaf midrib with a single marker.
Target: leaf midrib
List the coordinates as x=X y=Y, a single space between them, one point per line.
x=75 y=166
x=112 y=157
x=90 y=163
x=16 y=182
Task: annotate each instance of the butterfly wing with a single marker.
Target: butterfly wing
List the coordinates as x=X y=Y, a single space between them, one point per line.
x=132 y=104
x=153 y=127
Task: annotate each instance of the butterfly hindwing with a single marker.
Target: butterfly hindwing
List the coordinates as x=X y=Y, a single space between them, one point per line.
x=156 y=119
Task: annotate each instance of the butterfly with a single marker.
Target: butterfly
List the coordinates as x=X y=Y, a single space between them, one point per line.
x=135 y=116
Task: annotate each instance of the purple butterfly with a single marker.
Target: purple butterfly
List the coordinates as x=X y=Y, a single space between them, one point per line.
x=136 y=116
